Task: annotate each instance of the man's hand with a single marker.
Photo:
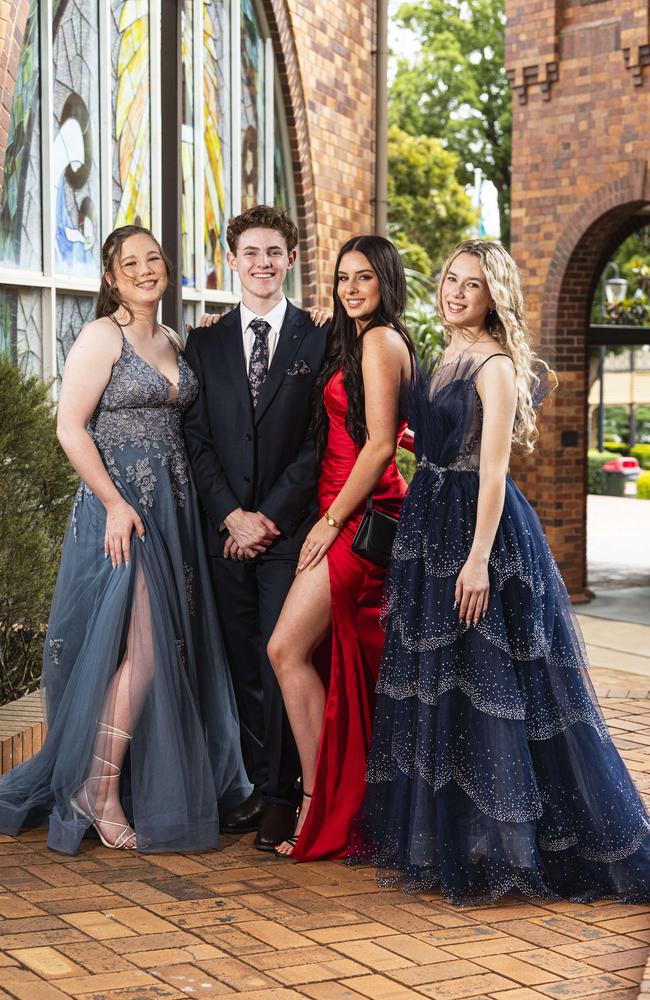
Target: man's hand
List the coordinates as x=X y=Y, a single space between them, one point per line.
x=232 y=551
x=251 y=530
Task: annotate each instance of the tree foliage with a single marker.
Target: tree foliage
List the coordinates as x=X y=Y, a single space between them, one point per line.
x=36 y=488
x=455 y=87
x=429 y=210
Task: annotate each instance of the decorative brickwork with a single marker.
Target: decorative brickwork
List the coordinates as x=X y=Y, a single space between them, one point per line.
x=13 y=19
x=581 y=185
x=327 y=48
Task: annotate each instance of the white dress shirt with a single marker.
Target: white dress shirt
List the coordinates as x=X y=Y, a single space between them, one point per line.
x=275 y=319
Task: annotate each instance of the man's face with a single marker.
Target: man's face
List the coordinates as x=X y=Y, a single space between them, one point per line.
x=262 y=261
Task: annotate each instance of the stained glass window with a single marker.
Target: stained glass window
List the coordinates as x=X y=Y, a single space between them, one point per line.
x=187 y=141
x=72 y=314
x=21 y=328
x=20 y=166
x=252 y=107
x=131 y=113
x=216 y=141
x=75 y=148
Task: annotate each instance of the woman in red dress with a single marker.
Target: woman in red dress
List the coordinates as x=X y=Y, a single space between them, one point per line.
x=358 y=423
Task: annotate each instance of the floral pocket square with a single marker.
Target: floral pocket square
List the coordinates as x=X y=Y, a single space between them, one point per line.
x=299 y=367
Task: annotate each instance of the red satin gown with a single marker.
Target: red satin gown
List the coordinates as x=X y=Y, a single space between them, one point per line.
x=356 y=642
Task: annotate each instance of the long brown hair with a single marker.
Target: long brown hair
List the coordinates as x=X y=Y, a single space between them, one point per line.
x=109 y=299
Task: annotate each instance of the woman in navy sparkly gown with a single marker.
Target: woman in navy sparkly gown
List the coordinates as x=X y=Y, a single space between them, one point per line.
x=491 y=769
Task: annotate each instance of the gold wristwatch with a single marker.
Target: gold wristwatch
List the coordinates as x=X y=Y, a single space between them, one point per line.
x=331 y=521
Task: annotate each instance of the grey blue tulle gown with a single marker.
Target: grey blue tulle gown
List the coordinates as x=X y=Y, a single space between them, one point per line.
x=184 y=761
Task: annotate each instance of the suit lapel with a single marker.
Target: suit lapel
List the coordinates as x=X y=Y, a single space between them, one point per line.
x=229 y=331
x=291 y=337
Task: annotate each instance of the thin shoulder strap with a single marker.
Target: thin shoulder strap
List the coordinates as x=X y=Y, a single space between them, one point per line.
x=118 y=325
x=489 y=358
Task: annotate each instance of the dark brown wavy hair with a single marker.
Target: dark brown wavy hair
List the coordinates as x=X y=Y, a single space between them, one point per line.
x=345 y=346
x=109 y=299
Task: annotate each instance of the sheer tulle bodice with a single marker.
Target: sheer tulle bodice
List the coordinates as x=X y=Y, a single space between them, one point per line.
x=491 y=768
x=156 y=614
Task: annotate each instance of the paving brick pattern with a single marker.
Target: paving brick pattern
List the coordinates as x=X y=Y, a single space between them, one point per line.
x=137 y=927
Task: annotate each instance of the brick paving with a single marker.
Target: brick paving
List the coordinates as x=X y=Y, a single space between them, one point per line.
x=115 y=925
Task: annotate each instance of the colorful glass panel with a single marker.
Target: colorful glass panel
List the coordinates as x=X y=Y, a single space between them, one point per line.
x=20 y=328
x=72 y=314
x=20 y=161
x=187 y=141
x=252 y=107
x=216 y=141
x=131 y=113
x=75 y=148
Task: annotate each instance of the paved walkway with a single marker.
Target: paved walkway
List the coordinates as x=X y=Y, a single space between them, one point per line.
x=618 y=542
x=114 y=925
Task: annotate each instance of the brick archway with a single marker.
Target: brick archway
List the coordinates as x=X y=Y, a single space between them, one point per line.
x=580 y=186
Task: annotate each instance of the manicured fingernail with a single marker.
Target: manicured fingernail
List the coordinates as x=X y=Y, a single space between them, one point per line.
x=455 y=605
x=106 y=555
x=143 y=539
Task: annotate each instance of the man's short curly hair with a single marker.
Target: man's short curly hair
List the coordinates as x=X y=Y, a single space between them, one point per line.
x=262 y=217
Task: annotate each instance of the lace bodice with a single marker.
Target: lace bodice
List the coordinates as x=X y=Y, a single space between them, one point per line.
x=137 y=428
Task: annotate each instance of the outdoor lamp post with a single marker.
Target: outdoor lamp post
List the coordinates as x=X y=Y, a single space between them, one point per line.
x=614 y=290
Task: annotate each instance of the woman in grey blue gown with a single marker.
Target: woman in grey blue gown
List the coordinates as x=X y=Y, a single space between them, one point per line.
x=143 y=735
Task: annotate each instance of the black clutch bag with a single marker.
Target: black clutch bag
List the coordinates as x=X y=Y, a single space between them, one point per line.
x=375 y=535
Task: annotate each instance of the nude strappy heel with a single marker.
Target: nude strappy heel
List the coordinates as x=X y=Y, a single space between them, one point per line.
x=126 y=832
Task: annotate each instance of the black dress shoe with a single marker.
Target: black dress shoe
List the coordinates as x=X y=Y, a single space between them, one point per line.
x=278 y=822
x=245 y=818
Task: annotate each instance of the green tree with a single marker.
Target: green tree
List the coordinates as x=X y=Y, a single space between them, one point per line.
x=428 y=210
x=455 y=87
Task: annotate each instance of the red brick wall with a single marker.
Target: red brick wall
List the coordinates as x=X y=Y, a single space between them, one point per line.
x=581 y=151
x=13 y=19
x=325 y=50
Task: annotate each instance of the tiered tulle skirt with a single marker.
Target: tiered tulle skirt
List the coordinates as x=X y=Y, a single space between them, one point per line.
x=491 y=769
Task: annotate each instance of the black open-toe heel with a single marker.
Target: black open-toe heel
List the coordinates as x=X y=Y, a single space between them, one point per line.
x=292 y=841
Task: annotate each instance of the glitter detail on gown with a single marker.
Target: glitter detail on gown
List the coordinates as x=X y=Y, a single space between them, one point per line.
x=184 y=761
x=356 y=587
x=491 y=768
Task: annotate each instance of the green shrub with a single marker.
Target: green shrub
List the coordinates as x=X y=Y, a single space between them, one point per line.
x=643 y=486
x=406 y=463
x=36 y=489
x=617 y=447
x=595 y=477
x=642 y=454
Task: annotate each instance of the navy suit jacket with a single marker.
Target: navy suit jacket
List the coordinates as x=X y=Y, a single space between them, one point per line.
x=263 y=458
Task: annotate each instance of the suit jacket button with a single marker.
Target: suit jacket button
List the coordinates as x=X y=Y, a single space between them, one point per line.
x=247 y=479
x=249 y=436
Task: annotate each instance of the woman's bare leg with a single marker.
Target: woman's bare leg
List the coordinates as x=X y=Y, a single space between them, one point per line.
x=302 y=626
x=123 y=703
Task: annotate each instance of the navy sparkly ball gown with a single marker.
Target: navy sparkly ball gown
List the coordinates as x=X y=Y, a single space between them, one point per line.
x=491 y=768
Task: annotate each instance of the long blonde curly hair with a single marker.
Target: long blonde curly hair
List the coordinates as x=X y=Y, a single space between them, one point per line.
x=506 y=322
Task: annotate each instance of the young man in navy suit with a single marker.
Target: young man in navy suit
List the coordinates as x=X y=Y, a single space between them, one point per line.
x=254 y=465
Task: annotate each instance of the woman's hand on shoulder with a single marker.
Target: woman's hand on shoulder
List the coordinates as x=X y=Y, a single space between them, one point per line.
x=206 y=320
x=87 y=371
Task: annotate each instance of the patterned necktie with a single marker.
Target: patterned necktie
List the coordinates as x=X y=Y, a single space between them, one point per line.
x=258 y=368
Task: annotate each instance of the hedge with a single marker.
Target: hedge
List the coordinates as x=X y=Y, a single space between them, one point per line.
x=643 y=486
x=642 y=454
x=617 y=447
x=595 y=475
x=36 y=489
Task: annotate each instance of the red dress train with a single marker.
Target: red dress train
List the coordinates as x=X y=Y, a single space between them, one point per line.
x=357 y=639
